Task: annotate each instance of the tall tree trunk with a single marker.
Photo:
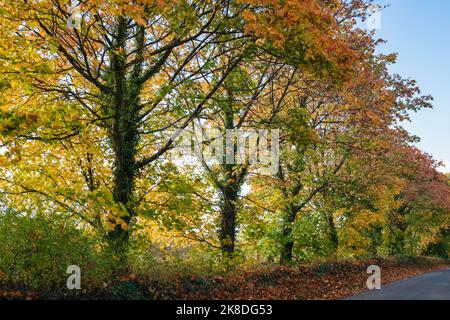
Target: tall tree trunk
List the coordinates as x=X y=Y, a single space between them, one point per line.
x=125 y=145
x=234 y=175
x=332 y=232
x=124 y=138
x=228 y=215
x=286 y=233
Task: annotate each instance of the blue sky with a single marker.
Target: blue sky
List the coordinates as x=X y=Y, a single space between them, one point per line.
x=419 y=31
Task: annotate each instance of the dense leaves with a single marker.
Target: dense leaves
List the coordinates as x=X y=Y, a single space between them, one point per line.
x=93 y=101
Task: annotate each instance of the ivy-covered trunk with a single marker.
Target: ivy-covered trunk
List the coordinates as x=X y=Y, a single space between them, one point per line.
x=233 y=176
x=228 y=215
x=124 y=138
x=287 y=235
x=332 y=232
x=125 y=148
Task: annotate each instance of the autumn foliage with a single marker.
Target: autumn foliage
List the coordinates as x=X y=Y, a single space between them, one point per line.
x=92 y=100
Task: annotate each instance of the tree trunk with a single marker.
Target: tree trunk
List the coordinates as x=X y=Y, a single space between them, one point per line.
x=230 y=187
x=288 y=241
x=228 y=215
x=124 y=137
x=286 y=252
x=332 y=232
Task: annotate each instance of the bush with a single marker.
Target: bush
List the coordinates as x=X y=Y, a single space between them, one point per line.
x=35 y=253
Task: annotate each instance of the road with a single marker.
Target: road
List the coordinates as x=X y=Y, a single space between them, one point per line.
x=429 y=286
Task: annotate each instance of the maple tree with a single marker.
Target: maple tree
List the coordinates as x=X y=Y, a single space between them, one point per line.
x=124 y=75
x=94 y=100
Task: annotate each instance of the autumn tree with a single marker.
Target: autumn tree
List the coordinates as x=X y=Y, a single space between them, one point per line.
x=255 y=96
x=128 y=72
x=94 y=98
x=327 y=127
x=422 y=215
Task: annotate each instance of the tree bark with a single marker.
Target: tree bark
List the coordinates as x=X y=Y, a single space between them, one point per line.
x=234 y=175
x=332 y=232
x=287 y=239
x=124 y=138
x=228 y=215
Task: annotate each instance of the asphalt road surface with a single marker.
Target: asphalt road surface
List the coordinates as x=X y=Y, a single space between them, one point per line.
x=429 y=286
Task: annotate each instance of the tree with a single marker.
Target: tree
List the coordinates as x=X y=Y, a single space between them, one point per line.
x=422 y=215
x=131 y=71
x=329 y=126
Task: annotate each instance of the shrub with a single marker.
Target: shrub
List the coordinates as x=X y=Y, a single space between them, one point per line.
x=35 y=253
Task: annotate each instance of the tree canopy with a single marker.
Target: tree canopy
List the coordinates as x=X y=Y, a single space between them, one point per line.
x=95 y=97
